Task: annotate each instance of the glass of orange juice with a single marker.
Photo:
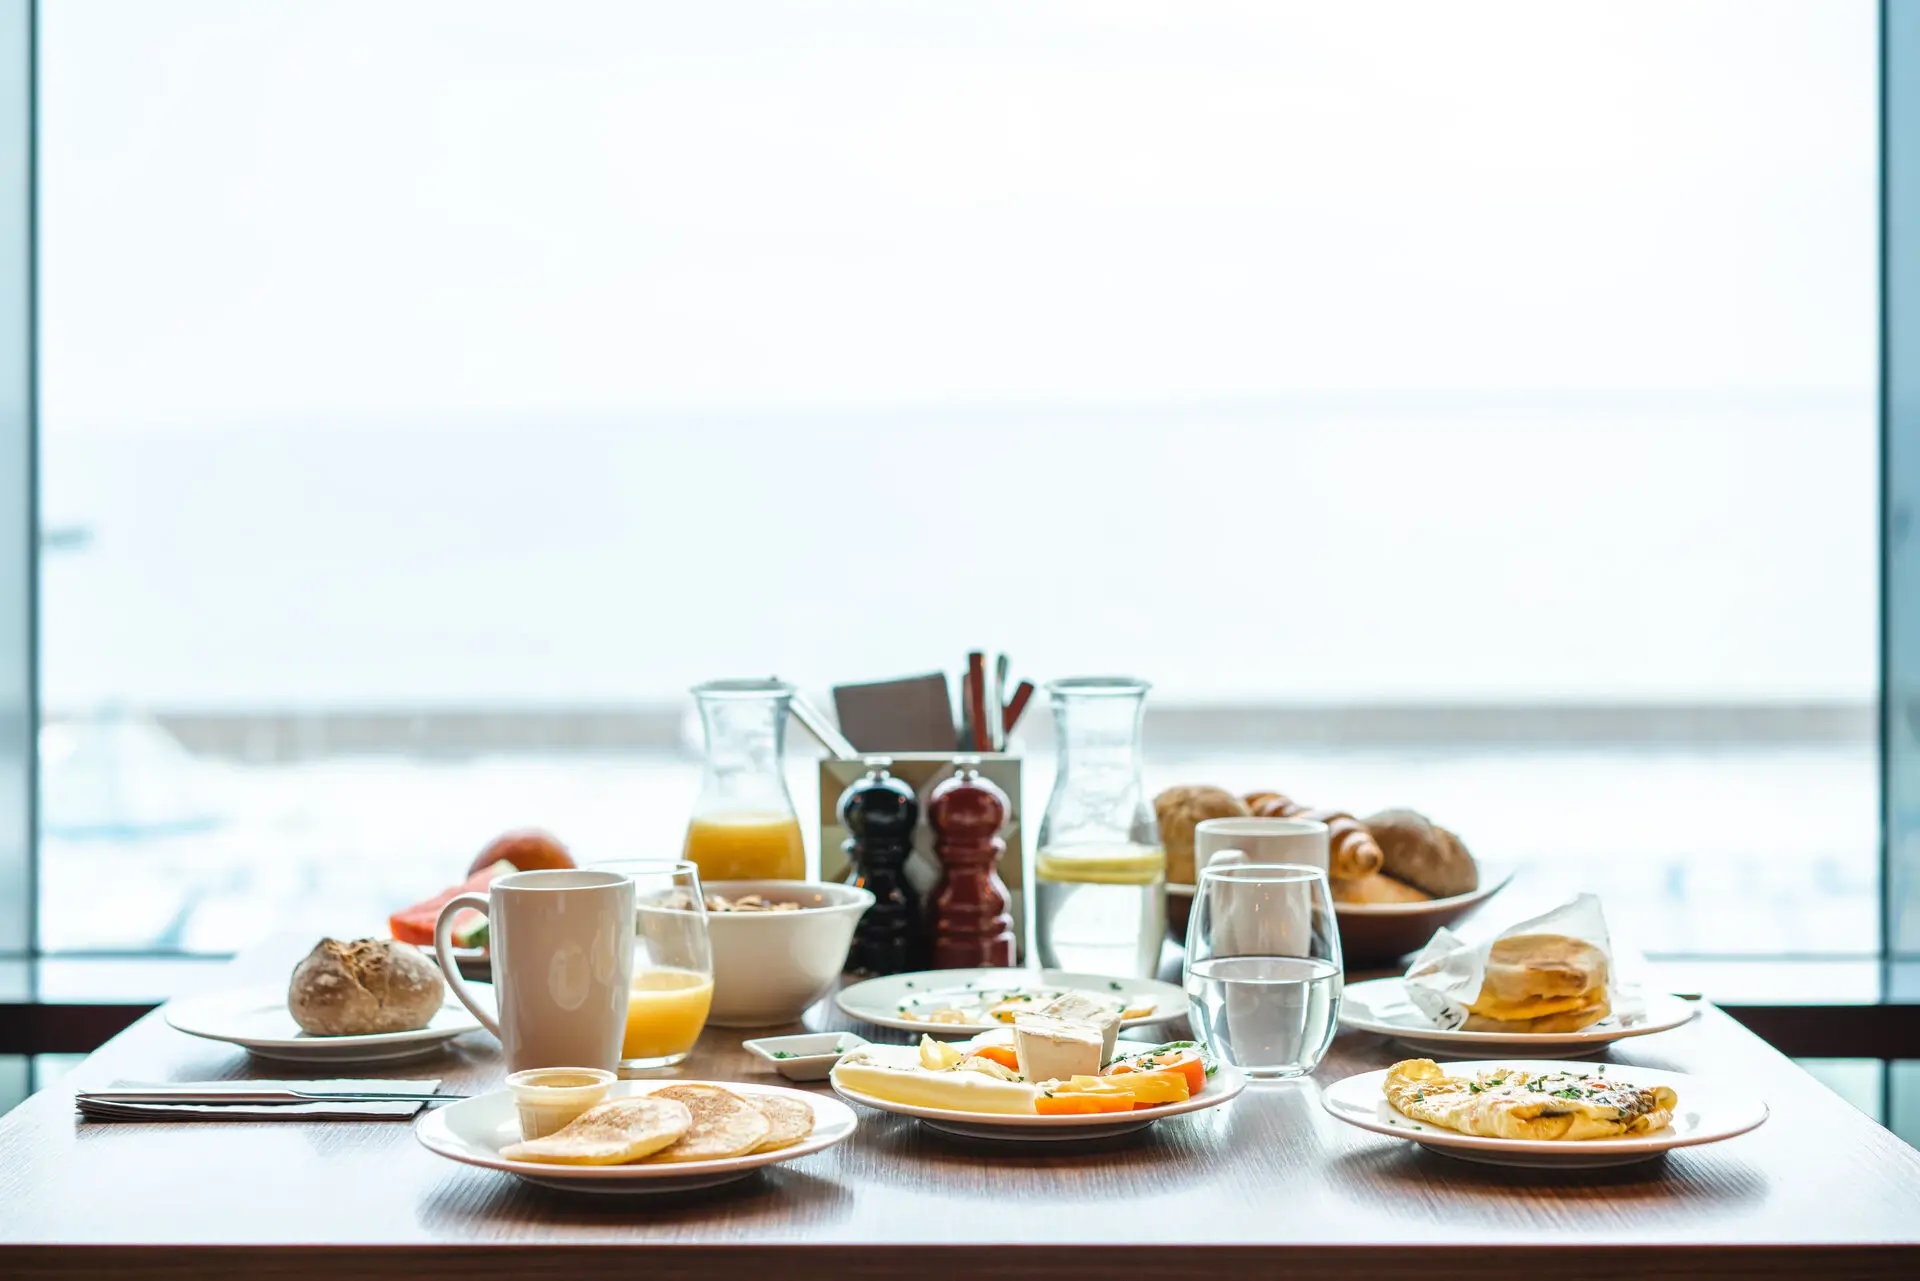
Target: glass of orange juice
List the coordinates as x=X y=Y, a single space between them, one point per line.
x=672 y=985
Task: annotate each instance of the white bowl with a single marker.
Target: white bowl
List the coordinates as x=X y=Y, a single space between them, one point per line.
x=768 y=967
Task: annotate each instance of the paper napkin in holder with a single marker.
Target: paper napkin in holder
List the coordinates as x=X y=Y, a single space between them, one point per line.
x=1449 y=972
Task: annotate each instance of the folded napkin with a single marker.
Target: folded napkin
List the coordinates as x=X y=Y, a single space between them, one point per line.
x=377 y=1110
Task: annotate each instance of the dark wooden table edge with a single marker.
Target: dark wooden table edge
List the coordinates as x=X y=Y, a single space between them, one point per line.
x=663 y=1261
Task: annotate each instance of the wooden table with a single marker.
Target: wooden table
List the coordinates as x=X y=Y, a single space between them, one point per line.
x=1268 y=1186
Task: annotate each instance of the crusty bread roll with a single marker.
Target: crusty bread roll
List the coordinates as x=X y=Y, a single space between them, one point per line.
x=1351 y=850
x=1420 y=852
x=1378 y=888
x=1181 y=809
x=363 y=987
x=1534 y=976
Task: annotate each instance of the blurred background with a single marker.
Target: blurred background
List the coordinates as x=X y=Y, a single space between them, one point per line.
x=1469 y=407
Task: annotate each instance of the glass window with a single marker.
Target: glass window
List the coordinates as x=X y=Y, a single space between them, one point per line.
x=1466 y=407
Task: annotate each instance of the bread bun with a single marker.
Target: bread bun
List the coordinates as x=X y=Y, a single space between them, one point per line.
x=1532 y=976
x=364 y=987
x=1420 y=852
x=1378 y=888
x=1181 y=809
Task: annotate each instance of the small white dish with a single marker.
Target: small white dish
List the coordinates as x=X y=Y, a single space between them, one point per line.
x=1222 y=1086
x=807 y=1056
x=256 y=1018
x=1707 y=1113
x=887 y=1002
x=1386 y=1011
x=474 y=1130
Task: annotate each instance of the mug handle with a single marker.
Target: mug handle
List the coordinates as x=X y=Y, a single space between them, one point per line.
x=443 y=952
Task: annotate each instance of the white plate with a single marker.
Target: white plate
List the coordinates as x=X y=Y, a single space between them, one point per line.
x=257 y=1018
x=1223 y=1085
x=474 y=1130
x=1390 y=1013
x=1707 y=1112
x=879 y=1001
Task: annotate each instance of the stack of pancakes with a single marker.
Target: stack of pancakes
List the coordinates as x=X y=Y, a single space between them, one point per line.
x=1541 y=983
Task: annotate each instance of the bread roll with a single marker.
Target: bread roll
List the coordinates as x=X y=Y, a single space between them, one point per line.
x=1533 y=976
x=1378 y=888
x=1352 y=853
x=1181 y=809
x=1420 y=852
x=363 y=987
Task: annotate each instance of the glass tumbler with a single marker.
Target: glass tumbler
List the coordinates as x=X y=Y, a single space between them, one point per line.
x=1263 y=975
x=672 y=986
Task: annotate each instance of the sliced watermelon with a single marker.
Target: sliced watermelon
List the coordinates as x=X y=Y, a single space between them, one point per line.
x=415 y=924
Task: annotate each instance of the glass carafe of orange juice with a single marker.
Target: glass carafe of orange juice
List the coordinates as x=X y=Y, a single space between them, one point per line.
x=744 y=827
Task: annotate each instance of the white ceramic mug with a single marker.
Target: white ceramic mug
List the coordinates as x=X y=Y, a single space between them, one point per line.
x=562 y=944
x=1261 y=840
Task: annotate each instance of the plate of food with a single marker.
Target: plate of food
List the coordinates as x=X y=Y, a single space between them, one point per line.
x=1549 y=987
x=1543 y=1114
x=1381 y=1006
x=366 y=1001
x=969 y=1002
x=642 y=1136
x=1045 y=1079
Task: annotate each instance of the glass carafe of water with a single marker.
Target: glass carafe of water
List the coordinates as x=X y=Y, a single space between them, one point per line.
x=1100 y=871
x=743 y=825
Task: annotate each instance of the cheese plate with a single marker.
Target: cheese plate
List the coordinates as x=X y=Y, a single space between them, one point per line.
x=963 y=1003
x=1222 y=1087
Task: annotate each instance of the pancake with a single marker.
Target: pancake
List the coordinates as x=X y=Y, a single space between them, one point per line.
x=610 y=1133
x=791 y=1119
x=724 y=1124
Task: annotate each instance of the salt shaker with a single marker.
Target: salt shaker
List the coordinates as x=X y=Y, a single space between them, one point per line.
x=967 y=911
x=881 y=812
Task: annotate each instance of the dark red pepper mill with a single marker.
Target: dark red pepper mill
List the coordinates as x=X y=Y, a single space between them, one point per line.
x=967 y=911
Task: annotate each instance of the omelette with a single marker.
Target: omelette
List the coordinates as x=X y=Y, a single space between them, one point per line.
x=1507 y=1103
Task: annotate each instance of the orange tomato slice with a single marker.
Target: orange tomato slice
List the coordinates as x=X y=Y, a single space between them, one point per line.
x=1082 y=1104
x=1186 y=1062
x=1002 y=1054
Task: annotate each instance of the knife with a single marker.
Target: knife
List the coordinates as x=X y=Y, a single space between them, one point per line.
x=163 y=1094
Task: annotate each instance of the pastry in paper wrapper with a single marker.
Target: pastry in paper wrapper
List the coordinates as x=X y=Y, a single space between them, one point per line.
x=1553 y=973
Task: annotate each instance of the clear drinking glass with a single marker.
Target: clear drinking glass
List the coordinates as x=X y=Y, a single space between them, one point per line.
x=1263 y=973
x=744 y=827
x=672 y=986
x=1100 y=872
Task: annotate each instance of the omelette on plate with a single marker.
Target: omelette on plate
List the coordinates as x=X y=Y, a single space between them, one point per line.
x=1507 y=1103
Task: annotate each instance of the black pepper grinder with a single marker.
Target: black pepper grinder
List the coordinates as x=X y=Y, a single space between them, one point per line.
x=881 y=812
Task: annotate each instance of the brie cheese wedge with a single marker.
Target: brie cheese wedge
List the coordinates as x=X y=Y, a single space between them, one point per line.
x=1054 y=1049
x=1078 y=1007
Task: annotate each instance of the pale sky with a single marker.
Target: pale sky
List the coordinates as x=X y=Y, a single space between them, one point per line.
x=480 y=351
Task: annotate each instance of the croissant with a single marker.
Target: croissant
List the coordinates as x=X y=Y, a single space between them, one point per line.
x=1351 y=850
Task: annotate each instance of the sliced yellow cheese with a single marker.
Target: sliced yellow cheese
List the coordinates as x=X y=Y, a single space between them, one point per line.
x=894 y=1073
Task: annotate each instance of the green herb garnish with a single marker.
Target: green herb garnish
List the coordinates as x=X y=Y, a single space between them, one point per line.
x=783 y=1054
